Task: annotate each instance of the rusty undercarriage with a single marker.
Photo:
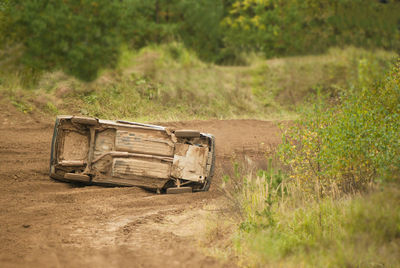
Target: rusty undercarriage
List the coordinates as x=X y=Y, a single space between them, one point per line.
x=120 y=153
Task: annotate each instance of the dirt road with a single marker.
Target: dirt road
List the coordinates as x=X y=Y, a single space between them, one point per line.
x=44 y=223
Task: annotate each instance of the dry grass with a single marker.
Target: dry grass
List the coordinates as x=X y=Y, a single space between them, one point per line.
x=169 y=83
x=268 y=222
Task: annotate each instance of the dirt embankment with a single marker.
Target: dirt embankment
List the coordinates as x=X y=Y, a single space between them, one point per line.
x=44 y=223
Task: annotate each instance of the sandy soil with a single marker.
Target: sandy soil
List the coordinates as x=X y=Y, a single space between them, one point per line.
x=45 y=223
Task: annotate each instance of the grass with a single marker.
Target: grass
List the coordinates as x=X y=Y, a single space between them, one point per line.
x=273 y=222
x=354 y=232
x=361 y=231
x=169 y=83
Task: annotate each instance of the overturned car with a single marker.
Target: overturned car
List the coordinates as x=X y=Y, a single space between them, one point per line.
x=120 y=153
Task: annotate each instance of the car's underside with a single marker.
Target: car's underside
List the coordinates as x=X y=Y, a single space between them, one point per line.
x=93 y=151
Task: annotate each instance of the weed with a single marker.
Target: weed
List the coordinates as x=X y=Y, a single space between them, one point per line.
x=22 y=106
x=51 y=108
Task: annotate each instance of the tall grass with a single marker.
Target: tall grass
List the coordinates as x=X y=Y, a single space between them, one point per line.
x=168 y=82
x=353 y=232
x=278 y=224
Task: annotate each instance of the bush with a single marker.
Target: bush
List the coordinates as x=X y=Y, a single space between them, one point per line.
x=351 y=145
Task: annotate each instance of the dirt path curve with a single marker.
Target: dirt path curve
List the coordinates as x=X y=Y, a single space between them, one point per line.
x=44 y=223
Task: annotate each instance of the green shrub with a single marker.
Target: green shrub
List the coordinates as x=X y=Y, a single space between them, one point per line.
x=350 y=145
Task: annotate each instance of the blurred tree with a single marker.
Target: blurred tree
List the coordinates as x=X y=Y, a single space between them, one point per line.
x=194 y=22
x=199 y=27
x=77 y=36
x=81 y=37
x=149 y=21
x=288 y=27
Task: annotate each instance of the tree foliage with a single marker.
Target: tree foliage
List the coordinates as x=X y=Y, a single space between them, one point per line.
x=76 y=36
x=195 y=23
x=81 y=37
x=288 y=27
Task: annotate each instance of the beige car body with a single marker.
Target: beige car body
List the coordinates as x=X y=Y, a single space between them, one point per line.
x=120 y=153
